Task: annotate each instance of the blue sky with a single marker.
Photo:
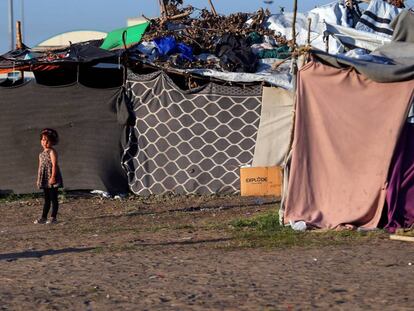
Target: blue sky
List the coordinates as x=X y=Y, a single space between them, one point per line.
x=45 y=18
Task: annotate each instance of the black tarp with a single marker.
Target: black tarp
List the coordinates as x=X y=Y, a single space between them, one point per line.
x=87 y=120
x=78 y=53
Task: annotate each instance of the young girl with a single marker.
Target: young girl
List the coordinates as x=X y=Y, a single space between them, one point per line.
x=49 y=177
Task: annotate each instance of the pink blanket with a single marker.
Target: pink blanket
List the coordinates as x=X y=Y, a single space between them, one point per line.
x=345 y=133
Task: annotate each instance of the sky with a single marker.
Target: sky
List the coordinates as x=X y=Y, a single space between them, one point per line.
x=46 y=18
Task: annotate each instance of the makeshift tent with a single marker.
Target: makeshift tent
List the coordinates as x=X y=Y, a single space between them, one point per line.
x=345 y=133
x=216 y=129
x=189 y=141
x=87 y=122
x=131 y=35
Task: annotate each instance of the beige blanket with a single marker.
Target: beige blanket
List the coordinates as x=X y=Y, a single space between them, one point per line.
x=275 y=127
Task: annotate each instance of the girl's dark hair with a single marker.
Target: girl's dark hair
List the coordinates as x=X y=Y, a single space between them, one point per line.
x=51 y=135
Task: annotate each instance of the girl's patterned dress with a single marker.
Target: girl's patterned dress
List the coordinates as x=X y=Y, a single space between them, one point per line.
x=45 y=172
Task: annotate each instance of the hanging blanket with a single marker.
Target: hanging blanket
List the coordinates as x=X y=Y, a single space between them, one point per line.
x=87 y=120
x=345 y=132
x=400 y=193
x=377 y=18
x=189 y=141
x=275 y=127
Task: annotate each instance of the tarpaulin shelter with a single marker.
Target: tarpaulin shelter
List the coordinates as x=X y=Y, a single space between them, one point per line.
x=214 y=125
x=89 y=122
x=347 y=126
x=196 y=140
x=346 y=130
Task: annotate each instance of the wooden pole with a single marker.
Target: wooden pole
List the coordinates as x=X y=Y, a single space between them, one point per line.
x=19 y=42
x=294 y=70
x=327 y=44
x=295 y=13
x=178 y=16
x=294 y=47
x=212 y=7
x=11 y=28
x=309 y=30
x=22 y=16
x=402 y=238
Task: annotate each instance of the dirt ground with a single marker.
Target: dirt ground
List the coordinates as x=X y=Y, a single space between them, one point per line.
x=180 y=254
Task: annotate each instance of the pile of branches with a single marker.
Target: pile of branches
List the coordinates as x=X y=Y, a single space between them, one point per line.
x=203 y=33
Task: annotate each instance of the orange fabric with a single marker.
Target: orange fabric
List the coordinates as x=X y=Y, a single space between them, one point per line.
x=345 y=132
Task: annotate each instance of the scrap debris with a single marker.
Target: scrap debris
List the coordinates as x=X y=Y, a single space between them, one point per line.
x=209 y=34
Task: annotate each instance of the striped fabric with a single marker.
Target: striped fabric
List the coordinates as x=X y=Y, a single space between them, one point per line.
x=377 y=18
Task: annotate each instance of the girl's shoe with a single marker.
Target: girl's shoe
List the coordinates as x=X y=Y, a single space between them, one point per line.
x=51 y=221
x=40 y=221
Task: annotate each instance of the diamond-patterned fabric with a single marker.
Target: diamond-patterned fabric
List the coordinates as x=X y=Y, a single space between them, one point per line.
x=189 y=141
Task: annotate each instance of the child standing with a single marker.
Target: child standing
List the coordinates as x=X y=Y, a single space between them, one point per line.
x=49 y=177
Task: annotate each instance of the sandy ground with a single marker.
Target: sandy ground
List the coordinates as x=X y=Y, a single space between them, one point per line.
x=180 y=255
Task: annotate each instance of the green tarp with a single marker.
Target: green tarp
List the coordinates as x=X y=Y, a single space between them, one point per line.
x=133 y=35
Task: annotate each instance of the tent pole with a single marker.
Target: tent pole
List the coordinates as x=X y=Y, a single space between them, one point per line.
x=11 y=26
x=294 y=69
x=309 y=31
x=294 y=47
x=19 y=43
x=295 y=13
x=22 y=16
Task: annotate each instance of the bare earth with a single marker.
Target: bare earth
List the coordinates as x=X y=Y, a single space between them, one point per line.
x=180 y=255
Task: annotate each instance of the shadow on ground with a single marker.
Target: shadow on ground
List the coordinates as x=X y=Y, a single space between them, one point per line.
x=38 y=254
x=185 y=242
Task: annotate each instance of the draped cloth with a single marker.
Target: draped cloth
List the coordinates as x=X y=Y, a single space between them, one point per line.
x=345 y=132
x=189 y=141
x=90 y=126
x=400 y=193
x=275 y=127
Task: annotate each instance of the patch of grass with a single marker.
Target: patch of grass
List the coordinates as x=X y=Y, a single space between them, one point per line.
x=12 y=197
x=84 y=229
x=215 y=226
x=172 y=198
x=265 y=222
x=98 y=250
x=157 y=228
x=184 y=227
x=265 y=231
x=122 y=248
x=63 y=196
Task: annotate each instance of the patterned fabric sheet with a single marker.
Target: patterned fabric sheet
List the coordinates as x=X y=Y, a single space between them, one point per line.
x=189 y=141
